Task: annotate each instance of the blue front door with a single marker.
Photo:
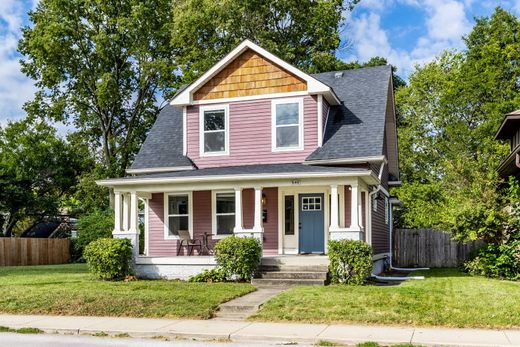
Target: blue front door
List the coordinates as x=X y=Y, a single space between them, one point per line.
x=311 y=223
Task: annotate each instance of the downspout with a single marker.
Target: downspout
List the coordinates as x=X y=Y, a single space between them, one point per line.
x=391 y=227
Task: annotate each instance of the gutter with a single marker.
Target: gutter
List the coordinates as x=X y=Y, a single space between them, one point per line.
x=159 y=169
x=357 y=160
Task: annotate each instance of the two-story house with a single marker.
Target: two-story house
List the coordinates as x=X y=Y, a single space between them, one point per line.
x=510 y=131
x=257 y=147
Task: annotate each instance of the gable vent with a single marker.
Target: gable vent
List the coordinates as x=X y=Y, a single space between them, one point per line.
x=338 y=74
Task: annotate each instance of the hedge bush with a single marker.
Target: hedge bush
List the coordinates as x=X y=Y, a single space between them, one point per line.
x=109 y=259
x=350 y=261
x=91 y=227
x=238 y=257
x=498 y=261
x=213 y=275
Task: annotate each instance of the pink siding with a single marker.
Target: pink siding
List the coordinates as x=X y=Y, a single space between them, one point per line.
x=348 y=206
x=271 y=226
x=159 y=247
x=248 y=208
x=250 y=135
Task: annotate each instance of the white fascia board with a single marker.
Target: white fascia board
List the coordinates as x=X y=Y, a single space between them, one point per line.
x=313 y=85
x=230 y=178
x=159 y=169
x=357 y=160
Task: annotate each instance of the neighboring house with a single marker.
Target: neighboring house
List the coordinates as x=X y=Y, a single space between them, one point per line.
x=256 y=147
x=510 y=130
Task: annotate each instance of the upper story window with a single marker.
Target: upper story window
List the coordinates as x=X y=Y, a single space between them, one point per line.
x=287 y=124
x=214 y=130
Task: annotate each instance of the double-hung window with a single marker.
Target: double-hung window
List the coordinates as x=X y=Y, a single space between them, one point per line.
x=287 y=124
x=214 y=133
x=224 y=216
x=177 y=213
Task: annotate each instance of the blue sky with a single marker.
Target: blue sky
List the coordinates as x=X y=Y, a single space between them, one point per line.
x=406 y=32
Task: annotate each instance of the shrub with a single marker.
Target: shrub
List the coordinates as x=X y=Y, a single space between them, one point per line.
x=498 y=261
x=350 y=261
x=109 y=259
x=238 y=257
x=213 y=275
x=91 y=227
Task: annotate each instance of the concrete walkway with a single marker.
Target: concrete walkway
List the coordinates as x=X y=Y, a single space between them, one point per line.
x=244 y=306
x=264 y=332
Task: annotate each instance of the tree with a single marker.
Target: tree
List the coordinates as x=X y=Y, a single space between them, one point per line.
x=102 y=66
x=37 y=171
x=448 y=116
x=304 y=33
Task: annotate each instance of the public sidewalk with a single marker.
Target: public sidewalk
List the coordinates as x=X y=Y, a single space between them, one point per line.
x=263 y=332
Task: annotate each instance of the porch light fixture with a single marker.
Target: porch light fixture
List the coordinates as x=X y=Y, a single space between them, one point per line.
x=264 y=200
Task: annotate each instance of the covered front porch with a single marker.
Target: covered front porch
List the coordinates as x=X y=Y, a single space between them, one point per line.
x=292 y=215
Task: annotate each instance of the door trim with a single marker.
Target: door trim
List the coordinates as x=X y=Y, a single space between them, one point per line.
x=295 y=190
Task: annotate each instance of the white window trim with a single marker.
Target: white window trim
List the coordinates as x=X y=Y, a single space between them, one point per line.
x=202 y=109
x=166 y=215
x=214 y=212
x=300 y=124
x=387 y=211
x=374 y=202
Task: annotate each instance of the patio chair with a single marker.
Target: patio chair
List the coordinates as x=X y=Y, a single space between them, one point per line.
x=185 y=240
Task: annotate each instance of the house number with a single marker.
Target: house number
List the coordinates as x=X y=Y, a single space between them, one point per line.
x=295 y=182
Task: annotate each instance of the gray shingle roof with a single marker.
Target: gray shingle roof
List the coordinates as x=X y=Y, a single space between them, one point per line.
x=354 y=129
x=357 y=127
x=249 y=170
x=163 y=145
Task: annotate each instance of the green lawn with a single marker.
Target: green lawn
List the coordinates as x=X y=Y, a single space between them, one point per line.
x=447 y=297
x=71 y=290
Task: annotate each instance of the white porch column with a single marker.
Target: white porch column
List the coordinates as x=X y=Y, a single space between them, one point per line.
x=117 y=212
x=355 y=207
x=257 y=227
x=126 y=211
x=134 y=212
x=130 y=225
x=354 y=231
x=238 y=210
x=334 y=216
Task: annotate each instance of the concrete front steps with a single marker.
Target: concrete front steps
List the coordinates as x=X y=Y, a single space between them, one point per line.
x=286 y=271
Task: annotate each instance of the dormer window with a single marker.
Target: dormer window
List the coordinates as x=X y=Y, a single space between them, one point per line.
x=214 y=133
x=287 y=124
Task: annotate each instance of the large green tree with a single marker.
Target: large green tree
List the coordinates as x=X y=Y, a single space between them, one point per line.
x=448 y=115
x=37 y=171
x=305 y=33
x=101 y=65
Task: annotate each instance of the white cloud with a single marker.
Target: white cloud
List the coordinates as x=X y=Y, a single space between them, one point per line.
x=446 y=22
x=15 y=87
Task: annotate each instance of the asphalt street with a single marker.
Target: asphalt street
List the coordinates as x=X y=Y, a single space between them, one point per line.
x=43 y=340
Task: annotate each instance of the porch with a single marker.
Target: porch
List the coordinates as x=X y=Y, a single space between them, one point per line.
x=290 y=214
x=286 y=220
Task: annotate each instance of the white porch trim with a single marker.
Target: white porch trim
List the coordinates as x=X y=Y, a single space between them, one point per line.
x=266 y=180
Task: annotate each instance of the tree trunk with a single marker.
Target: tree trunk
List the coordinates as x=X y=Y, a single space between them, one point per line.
x=11 y=222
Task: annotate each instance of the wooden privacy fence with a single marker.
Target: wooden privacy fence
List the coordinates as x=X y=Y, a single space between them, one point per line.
x=16 y=251
x=429 y=248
